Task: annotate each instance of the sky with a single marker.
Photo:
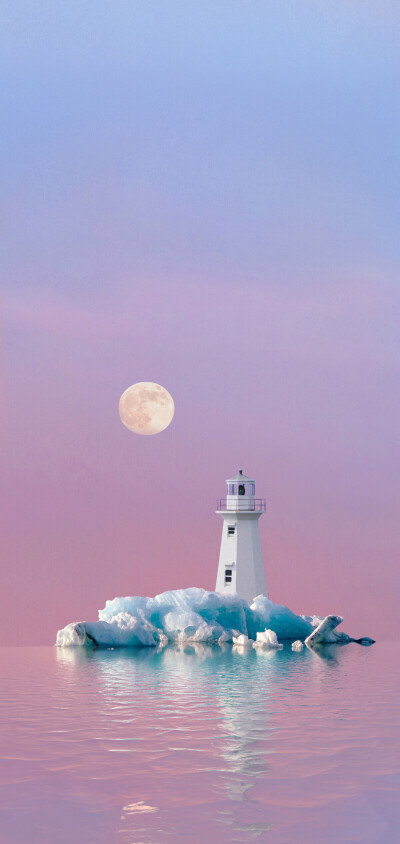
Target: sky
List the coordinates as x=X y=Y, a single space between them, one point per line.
x=204 y=195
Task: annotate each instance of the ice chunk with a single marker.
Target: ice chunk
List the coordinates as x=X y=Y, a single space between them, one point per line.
x=297 y=646
x=268 y=639
x=118 y=633
x=325 y=633
x=242 y=640
x=72 y=635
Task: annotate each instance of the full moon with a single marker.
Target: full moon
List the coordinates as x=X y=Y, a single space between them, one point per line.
x=146 y=408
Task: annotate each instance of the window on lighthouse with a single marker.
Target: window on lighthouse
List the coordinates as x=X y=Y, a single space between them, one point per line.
x=228 y=575
x=231 y=530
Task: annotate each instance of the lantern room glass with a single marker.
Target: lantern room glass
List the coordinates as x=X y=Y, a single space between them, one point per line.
x=247 y=489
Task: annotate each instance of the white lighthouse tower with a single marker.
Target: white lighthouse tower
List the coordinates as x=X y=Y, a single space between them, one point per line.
x=241 y=567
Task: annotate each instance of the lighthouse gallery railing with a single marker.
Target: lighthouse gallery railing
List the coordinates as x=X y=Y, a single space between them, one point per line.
x=246 y=504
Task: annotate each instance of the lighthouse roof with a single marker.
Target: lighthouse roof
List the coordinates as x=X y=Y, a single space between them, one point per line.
x=240 y=478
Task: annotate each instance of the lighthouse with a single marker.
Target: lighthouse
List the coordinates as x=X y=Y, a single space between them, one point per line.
x=241 y=567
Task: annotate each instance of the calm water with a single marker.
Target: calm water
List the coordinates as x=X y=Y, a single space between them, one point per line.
x=200 y=745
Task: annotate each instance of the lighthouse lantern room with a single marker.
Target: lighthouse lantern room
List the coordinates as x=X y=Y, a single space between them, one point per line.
x=241 y=567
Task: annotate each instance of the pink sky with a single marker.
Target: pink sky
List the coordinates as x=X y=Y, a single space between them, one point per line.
x=296 y=388
x=208 y=200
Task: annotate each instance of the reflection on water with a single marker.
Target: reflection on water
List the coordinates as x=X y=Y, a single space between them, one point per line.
x=200 y=744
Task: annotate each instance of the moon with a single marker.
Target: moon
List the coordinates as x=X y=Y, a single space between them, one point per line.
x=146 y=408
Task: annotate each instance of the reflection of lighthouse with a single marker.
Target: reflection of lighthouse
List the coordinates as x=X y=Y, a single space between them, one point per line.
x=245 y=718
x=241 y=567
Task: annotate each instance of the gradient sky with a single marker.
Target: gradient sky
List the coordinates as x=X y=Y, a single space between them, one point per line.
x=205 y=195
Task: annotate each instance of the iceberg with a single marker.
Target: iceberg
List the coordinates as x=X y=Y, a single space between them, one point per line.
x=189 y=615
x=192 y=615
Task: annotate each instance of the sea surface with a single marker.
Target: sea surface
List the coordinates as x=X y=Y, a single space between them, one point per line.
x=199 y=744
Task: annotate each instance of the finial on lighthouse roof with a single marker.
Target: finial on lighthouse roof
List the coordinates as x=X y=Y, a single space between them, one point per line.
x=240 y=478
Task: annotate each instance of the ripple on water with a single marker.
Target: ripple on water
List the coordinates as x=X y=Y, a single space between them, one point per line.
x=215 y=746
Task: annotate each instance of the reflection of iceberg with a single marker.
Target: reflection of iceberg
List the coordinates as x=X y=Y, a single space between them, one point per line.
x=190 y=615
x=184 y=615
x=218 y=720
